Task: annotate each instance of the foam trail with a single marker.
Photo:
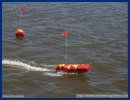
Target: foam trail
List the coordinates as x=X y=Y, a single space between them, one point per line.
x=54 y=74
x=24 y=65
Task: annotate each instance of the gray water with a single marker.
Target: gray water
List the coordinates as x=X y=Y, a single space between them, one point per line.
x=98 y=35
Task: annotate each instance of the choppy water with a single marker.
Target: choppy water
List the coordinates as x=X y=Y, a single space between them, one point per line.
x=97 y=35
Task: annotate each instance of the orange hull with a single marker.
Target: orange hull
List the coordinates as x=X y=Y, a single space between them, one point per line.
x=73 y=67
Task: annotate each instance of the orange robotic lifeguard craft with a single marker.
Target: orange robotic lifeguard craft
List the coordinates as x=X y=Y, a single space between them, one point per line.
x=79 y=68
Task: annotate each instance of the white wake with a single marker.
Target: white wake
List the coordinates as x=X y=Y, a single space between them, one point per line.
x=24 y=65
x=46 y=71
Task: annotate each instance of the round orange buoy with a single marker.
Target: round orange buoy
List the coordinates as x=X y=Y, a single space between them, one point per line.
x=20 y=32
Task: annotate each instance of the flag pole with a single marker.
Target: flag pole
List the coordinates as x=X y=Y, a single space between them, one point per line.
x=21 y=19
x=65 y=34
x=66 y=49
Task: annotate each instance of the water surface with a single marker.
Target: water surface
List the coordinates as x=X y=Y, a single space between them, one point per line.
x=98 y=35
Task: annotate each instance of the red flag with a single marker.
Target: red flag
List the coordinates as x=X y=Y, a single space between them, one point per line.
x=65 y=33
x=23 y=9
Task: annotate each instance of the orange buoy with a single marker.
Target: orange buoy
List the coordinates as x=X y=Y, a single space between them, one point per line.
x=20 y=32
x=73 y=67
